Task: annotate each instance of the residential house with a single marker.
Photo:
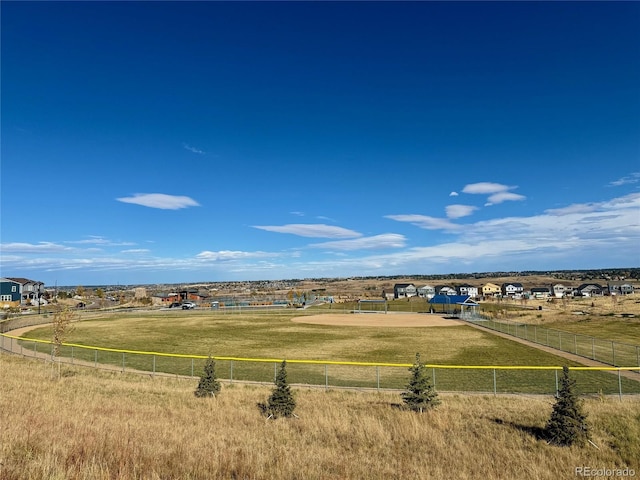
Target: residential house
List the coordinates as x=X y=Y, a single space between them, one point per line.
x=590 y=290
x=426 y=291
x=30 y=290
x=512 y=289
x=620 y=288
x=469 y=290
x=540 y=292
x=404 y=290
x=10 y=293
x=445 y=290
x=490 y=289
x=388 y=294
x=559 y=290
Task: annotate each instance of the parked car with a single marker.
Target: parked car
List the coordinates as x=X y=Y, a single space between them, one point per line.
x=175 y=305
x=188 y=305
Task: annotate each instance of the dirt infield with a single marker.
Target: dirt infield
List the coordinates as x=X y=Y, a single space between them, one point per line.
x=379 y=320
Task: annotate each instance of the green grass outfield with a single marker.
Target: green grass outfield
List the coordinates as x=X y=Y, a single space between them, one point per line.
x=273 y=336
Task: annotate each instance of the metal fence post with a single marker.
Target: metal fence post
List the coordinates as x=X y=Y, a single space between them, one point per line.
x=433 y=374
x=613 y=352
x=495 y=389
x=154 y=366
x=95 y=359
x=230 y=371
x=122 y=362
x=192 y=368
x=326 y=377
x=638 y=356
x=620 y=384
x=275 y=371
x=71 y=355
x=556 y=372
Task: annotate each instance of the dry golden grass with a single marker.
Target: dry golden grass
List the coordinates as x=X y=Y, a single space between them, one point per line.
x=97 y=425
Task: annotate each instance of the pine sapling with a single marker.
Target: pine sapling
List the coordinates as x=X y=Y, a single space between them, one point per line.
x=568 y=424
x=420 y=394
x=208 y=386
x=281 y=402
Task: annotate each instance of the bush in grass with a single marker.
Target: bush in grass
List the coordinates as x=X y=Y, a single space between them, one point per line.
x=208 y=386
x=281 y=402
x=420 y=394
x=568 y=424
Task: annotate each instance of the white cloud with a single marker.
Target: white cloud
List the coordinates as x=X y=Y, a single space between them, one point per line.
x=426 y=222
x=227 y=255
x=386 y=240
x=41 y=247
x=497 y=192
x=311 y=230
x=503 y=197
x=453 y=194
x=458 y=211
x=632 y=178
x=485 y=188
x=136 y=250
x=193 y=149
x=297 y=214
x=160 y=200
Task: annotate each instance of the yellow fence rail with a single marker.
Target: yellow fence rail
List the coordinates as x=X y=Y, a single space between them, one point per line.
x=593 y=379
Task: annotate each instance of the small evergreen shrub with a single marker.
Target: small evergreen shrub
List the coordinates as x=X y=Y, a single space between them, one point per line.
x=281 y=402
x=208 y=386
x=568 y=424
x=420 y=394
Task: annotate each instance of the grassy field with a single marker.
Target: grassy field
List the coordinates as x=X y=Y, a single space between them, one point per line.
x=274 y=336
x=92 y=425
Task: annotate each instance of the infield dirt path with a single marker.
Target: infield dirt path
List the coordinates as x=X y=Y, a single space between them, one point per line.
x=379 y=320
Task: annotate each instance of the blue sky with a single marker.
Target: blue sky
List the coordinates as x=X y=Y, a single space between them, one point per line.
x=210 y=141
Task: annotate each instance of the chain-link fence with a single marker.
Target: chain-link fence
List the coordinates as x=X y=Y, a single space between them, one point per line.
x=598 y=349
x=326 y=374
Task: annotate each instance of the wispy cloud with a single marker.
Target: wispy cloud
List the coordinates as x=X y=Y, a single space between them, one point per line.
x=41 y=247
x=632 y=178
x=297 y=214
x=426 y=222
x=98 y=240
x=497 y=192
x=136 y=250
x=228 y=255
x=386 y=240
x=503 y=197
x=311 y=230
x=459 y=211
x=193 y=149
x=160 y=200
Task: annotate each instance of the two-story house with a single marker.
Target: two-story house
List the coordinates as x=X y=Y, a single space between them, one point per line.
x=620 y=288
x=404 y=290
x=512 y=289
x=30 y=290
x=10 y=293
x=469 y=290
x=490 y=289
x=426 y=291
x=445 y=290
